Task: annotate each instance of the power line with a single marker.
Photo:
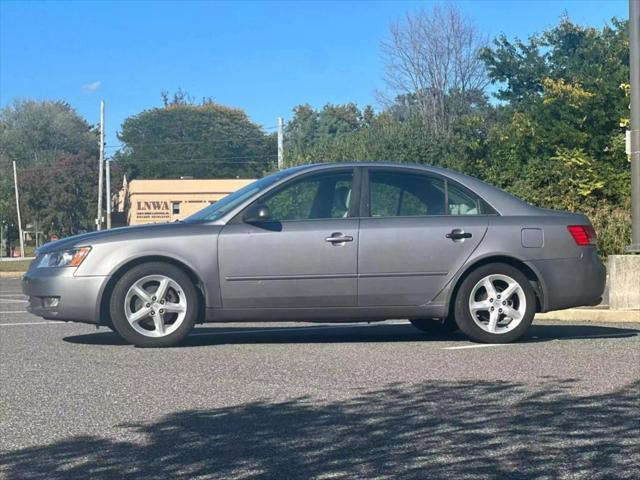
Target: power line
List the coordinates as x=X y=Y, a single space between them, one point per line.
x=200 y=162
x=238 y=157
x=193 y=142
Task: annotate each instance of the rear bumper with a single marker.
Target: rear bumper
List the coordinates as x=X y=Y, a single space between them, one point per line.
x=78 y=296
x=571 y=282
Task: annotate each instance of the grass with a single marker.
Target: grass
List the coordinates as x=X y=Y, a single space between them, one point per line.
x=17 y=266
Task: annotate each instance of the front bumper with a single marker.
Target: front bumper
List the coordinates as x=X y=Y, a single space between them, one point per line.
x=78 y=296
x=571 y=282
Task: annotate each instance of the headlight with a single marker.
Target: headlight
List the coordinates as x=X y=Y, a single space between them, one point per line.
x=64 y=258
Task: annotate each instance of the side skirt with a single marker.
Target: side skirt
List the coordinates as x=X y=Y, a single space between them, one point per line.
x=325 y=314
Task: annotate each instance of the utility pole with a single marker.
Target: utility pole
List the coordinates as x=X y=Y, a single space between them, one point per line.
x=634 y=66
x=280 y=143
x=100 y=162
x=108 y=188
x=15 y=183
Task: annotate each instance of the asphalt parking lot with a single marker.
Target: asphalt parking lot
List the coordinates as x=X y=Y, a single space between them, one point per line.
x=316 y=401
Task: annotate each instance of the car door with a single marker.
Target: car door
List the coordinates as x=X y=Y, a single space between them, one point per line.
x=303 y=256
x=417 y=230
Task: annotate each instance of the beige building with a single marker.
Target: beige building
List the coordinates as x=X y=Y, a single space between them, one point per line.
x=155 y=201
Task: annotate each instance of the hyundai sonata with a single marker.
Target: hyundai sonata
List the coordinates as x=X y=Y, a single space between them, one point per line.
x=331 y=243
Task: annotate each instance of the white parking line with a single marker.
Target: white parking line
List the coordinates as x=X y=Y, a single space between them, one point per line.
x=13 y=301
x=482 y=345
x=582 y=337
x=13 y=311
x=30 y=323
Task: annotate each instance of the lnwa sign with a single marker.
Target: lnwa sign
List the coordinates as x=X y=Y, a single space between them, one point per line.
x=154 y=210
x=153 y=206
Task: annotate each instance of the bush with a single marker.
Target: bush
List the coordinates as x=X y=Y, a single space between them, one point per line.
x=613 y=226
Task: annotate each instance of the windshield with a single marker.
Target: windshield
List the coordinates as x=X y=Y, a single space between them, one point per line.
x=228 y=203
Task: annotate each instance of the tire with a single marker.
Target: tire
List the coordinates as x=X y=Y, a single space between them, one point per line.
x=145 y=319
x=496 y=319
x=435 y=325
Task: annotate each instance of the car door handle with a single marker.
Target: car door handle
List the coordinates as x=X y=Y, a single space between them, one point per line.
x=338 y=238
x=458 y=234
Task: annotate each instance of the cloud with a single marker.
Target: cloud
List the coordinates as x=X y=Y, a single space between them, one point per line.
x=92 y=87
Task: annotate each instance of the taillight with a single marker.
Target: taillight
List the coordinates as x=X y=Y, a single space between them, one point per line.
x=583 y=234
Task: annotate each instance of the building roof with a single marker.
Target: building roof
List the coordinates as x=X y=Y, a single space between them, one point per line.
x=184 y=185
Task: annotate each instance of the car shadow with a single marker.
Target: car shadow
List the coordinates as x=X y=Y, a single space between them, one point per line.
x=360 y=333
x=426 y=430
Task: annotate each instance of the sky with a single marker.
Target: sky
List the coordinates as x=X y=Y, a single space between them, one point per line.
x=264 y=57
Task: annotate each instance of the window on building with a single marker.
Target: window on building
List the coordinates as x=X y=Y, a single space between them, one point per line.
x=175 y=208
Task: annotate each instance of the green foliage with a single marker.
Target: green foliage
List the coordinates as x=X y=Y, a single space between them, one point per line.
x=15 y=266
x=201 y=140
x=613 y=226
x=326 y=136
x=579 y=173
x=61 y=196
x=37 y=135
x=559 y=141
x=7 y=202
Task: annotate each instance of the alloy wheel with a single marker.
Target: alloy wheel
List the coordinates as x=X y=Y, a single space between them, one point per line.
x=497 y=303
x=155 y=306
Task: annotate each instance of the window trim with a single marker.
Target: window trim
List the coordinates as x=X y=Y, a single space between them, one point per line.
x=365 y=201
x=355 y=195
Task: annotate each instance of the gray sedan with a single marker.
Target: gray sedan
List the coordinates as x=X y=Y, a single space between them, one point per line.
x=333 y=243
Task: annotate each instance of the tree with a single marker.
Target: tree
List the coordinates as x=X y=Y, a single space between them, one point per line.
x=559 y=141
x=64 y=202
x=36 y=135
x=201 y=140
x=329 y=134
x=36 y=132
x=8 y=216
x=432 y=60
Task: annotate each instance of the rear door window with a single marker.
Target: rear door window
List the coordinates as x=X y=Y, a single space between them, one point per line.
x=403 y=194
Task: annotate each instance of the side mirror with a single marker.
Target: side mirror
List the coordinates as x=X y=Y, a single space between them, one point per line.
x=257 y=214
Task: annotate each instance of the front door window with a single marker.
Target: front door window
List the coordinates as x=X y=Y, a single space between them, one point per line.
x=316 y=197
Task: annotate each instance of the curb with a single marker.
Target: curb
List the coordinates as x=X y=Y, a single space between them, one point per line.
x=11 y=274
x=591 y=315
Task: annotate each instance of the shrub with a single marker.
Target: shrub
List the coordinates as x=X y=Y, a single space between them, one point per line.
x=613 y=226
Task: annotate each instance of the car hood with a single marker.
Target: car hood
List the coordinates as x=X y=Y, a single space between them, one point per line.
x=119 y=234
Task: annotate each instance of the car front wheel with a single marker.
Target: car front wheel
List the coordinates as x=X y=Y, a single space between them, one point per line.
x=495 y=304
x=154 y=305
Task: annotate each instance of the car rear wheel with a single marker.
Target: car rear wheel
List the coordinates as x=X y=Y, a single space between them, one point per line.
x=495 y=304
x=435 y=325
x=154 y=305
